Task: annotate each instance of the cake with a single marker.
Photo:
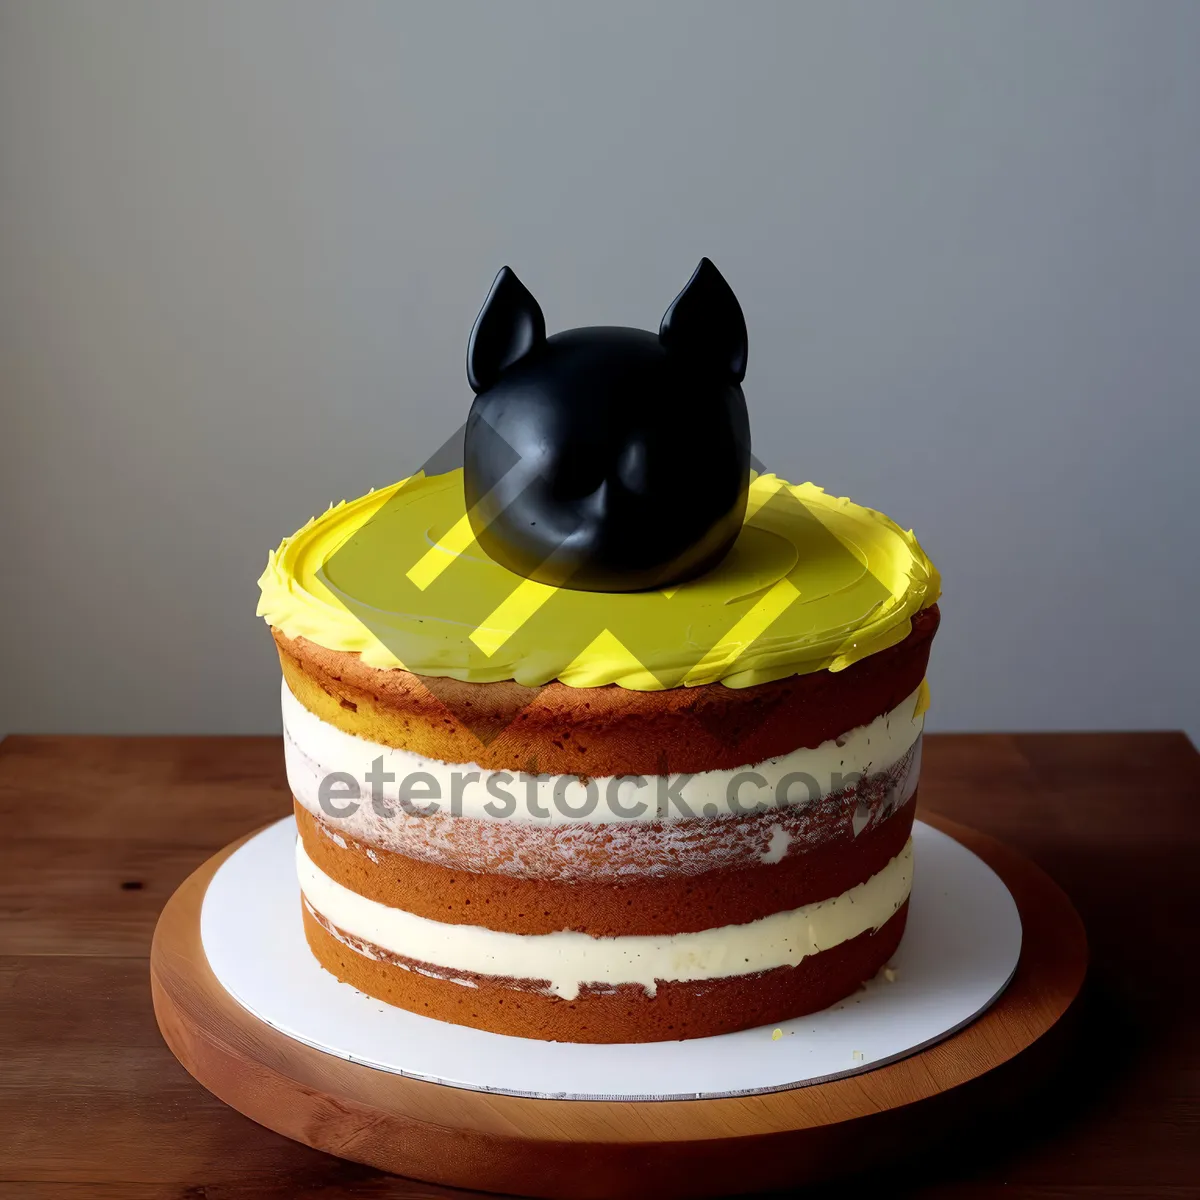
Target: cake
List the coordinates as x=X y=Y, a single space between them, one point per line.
x=584 y=814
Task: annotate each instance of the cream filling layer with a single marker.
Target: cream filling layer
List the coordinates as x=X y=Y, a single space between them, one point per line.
x=567 y=960
x=332 y=773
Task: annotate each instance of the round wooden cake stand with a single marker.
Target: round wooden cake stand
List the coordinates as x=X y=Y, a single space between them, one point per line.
x=582 y=1148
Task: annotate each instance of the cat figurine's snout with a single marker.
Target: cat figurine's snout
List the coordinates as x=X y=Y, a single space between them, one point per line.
x=608 y=458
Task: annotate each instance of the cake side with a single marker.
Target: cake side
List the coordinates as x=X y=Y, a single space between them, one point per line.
x=602 y=731
x=627 y=1013
x=572 y=985
x=394 y=879
x=619 y=899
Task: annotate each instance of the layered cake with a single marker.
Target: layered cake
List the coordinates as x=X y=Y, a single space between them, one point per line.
x=585 y=814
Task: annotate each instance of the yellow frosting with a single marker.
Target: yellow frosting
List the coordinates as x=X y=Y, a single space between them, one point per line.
x=814 y=582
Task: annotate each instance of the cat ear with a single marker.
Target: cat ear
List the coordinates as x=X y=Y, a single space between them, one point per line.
x=510 y=324
x=705 y=322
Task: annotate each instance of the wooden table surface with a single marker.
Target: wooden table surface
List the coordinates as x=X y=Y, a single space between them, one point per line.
x=100 y=831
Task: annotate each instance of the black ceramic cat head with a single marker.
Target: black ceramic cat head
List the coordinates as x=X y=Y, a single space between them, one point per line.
x=608 y=459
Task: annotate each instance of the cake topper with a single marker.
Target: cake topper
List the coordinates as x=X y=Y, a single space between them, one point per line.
x=608 y=459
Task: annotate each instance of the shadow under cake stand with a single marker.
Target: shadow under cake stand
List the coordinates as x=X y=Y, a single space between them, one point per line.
x=993 y=957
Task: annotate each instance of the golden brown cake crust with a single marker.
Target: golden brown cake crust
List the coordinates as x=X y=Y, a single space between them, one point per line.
x=623 y=1014
x=601 y=731
x=605 y=908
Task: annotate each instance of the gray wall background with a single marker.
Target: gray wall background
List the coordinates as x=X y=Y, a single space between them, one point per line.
x=242 y=244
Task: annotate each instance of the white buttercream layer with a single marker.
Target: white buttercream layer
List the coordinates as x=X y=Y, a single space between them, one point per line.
x=331 y=772
x=567 y=960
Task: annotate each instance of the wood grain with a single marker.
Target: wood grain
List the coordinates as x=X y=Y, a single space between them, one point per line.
x=92 y=1104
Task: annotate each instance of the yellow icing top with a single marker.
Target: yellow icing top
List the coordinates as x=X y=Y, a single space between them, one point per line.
x=814 y=582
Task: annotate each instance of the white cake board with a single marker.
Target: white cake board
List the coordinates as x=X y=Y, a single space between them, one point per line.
x=959 y=951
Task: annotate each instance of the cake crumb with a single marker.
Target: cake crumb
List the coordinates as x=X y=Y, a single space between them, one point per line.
x=776 y=1035
x=857 y=1055
x=889 y=973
